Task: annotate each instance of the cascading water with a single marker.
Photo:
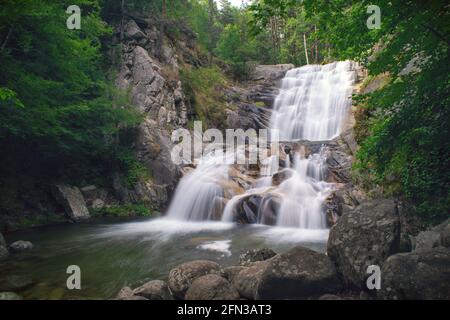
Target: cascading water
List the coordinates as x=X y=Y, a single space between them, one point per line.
x=312 y=105
x=313 y=102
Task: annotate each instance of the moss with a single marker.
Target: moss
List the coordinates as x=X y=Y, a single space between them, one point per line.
x=126 y=210
x=203 y=89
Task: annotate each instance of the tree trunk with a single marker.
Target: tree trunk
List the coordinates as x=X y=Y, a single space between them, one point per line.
x=161 y=29
x=121 y=21
x=306 y=49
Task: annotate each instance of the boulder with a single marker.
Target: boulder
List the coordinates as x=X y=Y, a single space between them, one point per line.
x=154 y=290
x=247 y=280
x=211 y=287
x=21 y=245
x=3 y=248
x=125 y=292
x=72 y=201
x=9 y=296
x=134 y=298
x=299 y=273
x=132 y=30
x=362 y=237
x=257 y=208
x=254 y=255
x=230 y=273
x=423 y=274
x=182 y=276
x=280 y=176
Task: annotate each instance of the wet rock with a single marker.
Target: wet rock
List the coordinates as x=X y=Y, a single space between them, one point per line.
x=247 y=280
x=280 y=176
x=211 y=287
x=338 y=201
x=182 y=276
x=219 y=204
x=72 y=201
x=339 y=165
x=154 y=290
x=3 y=248
x=21 y=245
x=299 y=273
x=257 y=208
x=15 y=283
x=254 y=255
x=9 y=296
x=423 y=274
x=364 y=236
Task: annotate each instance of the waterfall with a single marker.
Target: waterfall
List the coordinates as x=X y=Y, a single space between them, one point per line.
x=312 y=104
x=313 y=101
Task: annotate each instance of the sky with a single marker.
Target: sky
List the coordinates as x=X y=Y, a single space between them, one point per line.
x=236 y=3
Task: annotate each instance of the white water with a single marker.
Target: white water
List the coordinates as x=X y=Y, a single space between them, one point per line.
x=313 y=102
x=312 y=105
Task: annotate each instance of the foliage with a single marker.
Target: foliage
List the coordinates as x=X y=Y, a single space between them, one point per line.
x=126 y=210
x=203 y=88
x=60 y=117
x=407 y=143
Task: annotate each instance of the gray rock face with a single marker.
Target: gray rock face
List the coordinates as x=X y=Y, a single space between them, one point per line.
x=247 y=280
x=72 y=201
x=9 y=296
x=3 y=248
x=445 y=236
x=427 y=240
x=154 y=290
x=270 y=72
x=423 y=274
x=21 y=245
x=299 y=273
x=254 y=255
x=182 y=276
x=364 y=236
x=211 y=287
x=132 y=30
x=157 y=93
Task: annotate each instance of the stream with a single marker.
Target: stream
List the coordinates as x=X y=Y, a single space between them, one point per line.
x=112 y=255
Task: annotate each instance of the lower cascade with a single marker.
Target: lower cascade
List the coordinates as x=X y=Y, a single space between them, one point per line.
x=287 y=189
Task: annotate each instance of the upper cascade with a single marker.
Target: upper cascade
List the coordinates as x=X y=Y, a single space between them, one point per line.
x=313 y=102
